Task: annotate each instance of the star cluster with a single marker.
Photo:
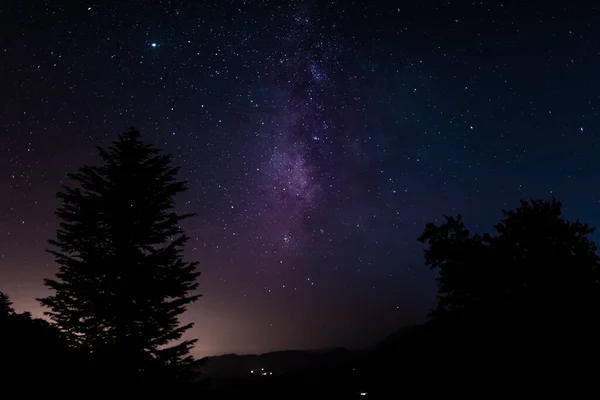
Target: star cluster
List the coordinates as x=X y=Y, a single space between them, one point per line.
x=317 y=139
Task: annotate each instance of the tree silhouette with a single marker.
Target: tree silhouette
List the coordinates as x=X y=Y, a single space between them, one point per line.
x=538 y=272
x=527 y=296
x=30 y=347
x=122 y=282
x=5 y=306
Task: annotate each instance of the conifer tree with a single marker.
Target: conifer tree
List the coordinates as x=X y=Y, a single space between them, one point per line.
x=122 y=282
x=5 y=305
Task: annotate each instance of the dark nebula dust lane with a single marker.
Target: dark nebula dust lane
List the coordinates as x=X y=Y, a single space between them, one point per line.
x=317 y=139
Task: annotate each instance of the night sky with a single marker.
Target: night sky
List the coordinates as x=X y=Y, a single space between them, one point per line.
x=317 y=138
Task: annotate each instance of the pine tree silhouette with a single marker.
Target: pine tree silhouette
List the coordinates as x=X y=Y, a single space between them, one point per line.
x=122 y=282
x=6 y=308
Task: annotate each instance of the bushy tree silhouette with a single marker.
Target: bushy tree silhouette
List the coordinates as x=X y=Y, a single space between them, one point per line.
x=30 y=350
x=531 y=292
x=122 y=283
x=517 y=310
x=539 y=268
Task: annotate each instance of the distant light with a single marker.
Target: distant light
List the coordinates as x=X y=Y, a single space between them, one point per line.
x=153 y=45
x=363 y=393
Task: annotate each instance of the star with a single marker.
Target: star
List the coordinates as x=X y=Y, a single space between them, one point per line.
x=310 y=147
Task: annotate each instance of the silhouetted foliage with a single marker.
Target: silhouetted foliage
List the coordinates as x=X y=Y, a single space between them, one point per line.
x=539 y=267
x=516 y=310
x=122 y=282
x=5 y=306
x=528 y=295
x=32 y=349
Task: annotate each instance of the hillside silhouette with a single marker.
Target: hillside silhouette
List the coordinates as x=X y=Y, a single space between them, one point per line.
x=275 y=363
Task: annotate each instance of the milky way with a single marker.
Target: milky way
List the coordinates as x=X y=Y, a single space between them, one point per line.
x=317 y=139
x=299 y=138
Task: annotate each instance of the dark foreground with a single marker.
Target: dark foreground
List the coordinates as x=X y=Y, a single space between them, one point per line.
x=423 y=361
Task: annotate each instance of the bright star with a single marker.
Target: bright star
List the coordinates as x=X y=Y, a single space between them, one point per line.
x=153 y=45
